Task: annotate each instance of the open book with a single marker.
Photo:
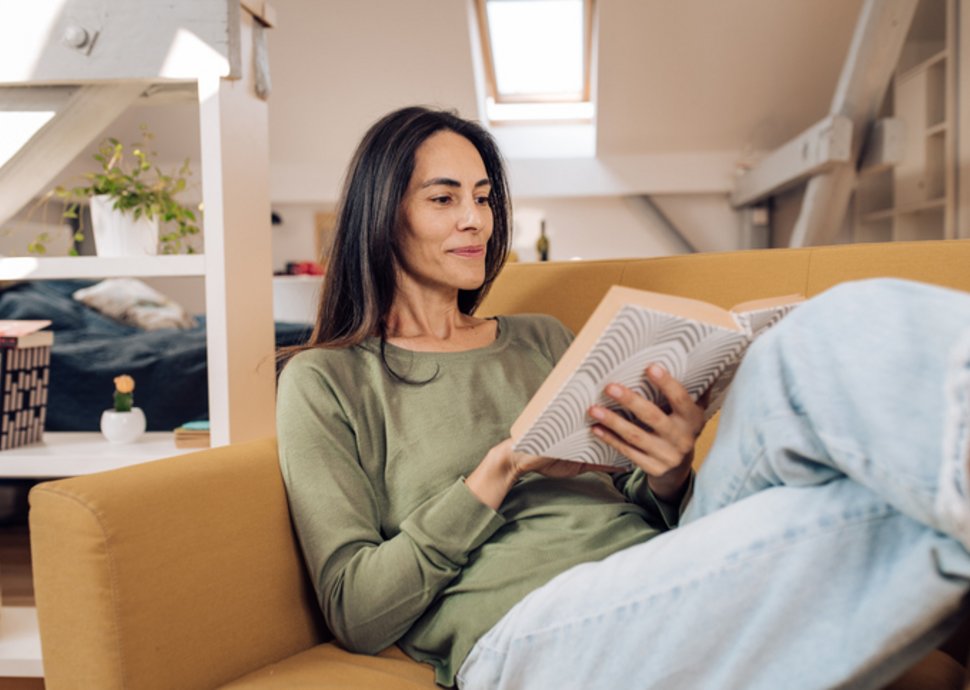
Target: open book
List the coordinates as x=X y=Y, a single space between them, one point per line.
x=700 y=344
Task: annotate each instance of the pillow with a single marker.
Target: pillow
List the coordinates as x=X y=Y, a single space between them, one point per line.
x=135 y=303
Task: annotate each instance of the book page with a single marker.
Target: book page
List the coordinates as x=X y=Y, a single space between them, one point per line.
x=693 y=352
x=615 y=298
x=760 y=315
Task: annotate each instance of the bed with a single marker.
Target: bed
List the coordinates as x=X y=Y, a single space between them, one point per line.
x=90 y=349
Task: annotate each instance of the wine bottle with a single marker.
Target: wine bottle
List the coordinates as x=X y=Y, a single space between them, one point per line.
x=542 y=244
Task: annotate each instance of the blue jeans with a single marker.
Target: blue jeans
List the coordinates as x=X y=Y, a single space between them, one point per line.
x=826 y=543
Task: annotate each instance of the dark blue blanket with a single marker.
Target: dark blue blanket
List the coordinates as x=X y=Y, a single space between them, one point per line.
x=169 y=366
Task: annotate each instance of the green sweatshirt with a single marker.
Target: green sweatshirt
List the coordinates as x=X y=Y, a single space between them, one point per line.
x=398 y=548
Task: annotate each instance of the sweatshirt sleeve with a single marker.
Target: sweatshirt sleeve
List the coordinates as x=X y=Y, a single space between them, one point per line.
x=371 y=589
x=661 y=514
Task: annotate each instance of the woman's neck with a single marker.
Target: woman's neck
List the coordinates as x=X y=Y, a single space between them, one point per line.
x=433 y=323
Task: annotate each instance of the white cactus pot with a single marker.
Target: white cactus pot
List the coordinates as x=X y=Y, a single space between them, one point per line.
x=123 y=427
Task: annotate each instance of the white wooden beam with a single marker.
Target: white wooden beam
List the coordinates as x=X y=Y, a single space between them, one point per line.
x=819 y=148
x=239 y=305
x=884 y=146
x=84 y=115
x=873 y=54
x=78 y=41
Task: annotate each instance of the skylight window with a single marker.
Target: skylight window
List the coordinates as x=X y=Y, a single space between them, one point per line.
x=537 y=58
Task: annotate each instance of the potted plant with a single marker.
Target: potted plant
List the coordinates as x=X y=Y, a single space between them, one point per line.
x=130 y=197
x=123 y=423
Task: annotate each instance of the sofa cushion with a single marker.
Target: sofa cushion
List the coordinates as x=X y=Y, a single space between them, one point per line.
x=328 y=667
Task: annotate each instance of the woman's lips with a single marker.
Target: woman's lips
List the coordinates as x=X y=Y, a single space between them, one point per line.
x=469 y=252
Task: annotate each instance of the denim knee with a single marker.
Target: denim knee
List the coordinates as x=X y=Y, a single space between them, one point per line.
x=856 y=294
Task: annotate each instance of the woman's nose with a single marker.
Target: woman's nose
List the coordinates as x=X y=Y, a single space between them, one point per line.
x=472 y=215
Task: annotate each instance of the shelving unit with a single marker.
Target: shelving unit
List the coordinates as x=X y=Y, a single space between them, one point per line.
x=217 y=66
x=916 y=199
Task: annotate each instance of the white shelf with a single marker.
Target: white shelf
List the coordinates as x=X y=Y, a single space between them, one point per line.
x=20 y=643
x=71 y=453
x=40 y=268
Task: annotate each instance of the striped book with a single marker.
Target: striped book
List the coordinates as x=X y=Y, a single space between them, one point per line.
x=700 y=344
x=25 y=358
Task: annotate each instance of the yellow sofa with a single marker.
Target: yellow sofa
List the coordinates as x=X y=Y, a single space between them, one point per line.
x=184 y=573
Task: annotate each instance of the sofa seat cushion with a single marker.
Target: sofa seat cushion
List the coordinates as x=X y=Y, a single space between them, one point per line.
x=328 y=667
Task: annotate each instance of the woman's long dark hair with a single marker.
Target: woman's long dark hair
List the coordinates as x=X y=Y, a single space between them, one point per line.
x=360 y=280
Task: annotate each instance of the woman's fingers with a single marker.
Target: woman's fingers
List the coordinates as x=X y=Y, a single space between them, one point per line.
x=638 y=444
x=653 y=463
x=681 y=403
x=668 y=439
x=626 y=430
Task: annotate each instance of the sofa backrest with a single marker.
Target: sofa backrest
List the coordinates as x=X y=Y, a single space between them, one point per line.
x=571 y=290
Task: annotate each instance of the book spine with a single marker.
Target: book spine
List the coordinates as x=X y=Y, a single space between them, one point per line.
x=24 y=374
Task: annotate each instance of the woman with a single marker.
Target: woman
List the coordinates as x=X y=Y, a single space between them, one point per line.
x=422 y=528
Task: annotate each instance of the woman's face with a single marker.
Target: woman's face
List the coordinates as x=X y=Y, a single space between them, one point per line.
x=446 y=219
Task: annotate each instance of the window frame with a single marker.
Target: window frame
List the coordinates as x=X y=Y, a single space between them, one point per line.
x=488 y=61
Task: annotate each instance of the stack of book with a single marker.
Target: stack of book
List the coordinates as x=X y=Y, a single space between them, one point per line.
x=192 y=435
x=25 y=357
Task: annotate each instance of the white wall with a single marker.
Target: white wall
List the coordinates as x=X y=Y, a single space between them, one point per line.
x=604 y=227
x=592 y=228
x=578 y=227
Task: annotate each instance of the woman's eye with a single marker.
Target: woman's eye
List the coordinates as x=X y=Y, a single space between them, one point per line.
x=483 y=200
x=440 y=200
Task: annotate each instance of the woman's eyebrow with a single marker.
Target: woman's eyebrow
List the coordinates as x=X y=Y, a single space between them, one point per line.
x=448 y=182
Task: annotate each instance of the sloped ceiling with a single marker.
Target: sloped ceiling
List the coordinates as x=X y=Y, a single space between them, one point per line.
x=693 y=87
x=726 y=77
x=709 y=75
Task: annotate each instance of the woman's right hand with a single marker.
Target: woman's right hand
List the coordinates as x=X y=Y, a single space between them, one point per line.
x=497 y=473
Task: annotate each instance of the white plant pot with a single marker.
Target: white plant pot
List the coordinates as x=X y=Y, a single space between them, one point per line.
x=123 y=427
x=120 y=234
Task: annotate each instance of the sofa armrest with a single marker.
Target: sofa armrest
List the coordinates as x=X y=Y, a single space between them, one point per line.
x=180 y=573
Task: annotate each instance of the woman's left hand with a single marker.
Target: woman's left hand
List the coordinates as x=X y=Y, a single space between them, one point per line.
x=666 y=452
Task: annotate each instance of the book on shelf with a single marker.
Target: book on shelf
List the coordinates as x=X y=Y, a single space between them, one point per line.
x=698 y=343
x=25 y=333
x=192 y=435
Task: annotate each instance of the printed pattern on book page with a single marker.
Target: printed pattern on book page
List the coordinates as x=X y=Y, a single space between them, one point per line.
x=755 y=323
x=694 y=353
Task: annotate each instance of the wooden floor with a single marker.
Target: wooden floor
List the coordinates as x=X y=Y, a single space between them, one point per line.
x=16 y=586
x=21 y=684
